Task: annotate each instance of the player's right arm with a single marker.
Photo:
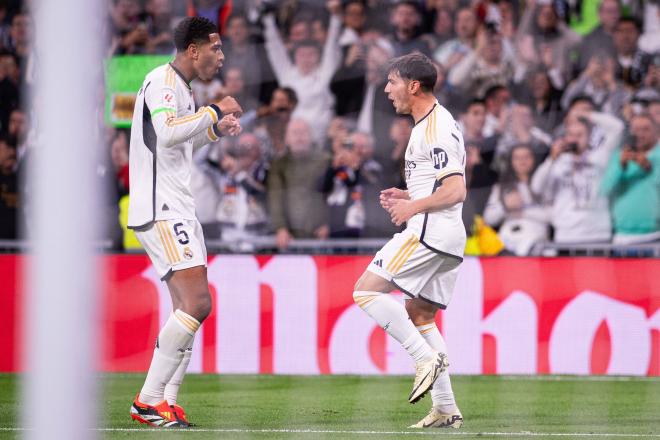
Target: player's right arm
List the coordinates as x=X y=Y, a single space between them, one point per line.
x=170 y=129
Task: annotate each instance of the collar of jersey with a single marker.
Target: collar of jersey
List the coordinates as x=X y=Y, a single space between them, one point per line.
x=181 y=75
x=426 y=115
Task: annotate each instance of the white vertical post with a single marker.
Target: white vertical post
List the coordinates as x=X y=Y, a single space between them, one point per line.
x=59 y=399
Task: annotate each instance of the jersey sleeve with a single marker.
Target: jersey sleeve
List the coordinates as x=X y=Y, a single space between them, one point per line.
x=447 y=151
x=161 y=103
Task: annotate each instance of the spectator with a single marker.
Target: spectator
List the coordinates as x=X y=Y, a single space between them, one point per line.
x=311 y=72
x=159 y=27
x=234 y=85
x=514 y=207
x=406 y=20
x=600 y=40
x=218 y=11
x=20 y=37
x=632 y=182
x=355 y=18
x=271 y=120
x=570 y=178
x=9 y=87
x=206 y=91
x=119 y=158
x=598 y=81
x=443 y=29
x=543 y=39
x=296 y=209
x=242 y=207
x=521 y=129
x=453 y=51
x=18 y=129
x=129 y=33
x=9 y=193
x=341 y=186
x=496 y=100
x=249 y=57
x=632 y=63
x=485 y=67
x=649 y=42
x=480 y=154
x=393 y=160
x=545 y=100
x=359 y=89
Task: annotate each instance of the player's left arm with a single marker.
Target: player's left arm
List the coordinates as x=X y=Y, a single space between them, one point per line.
x=450 y=191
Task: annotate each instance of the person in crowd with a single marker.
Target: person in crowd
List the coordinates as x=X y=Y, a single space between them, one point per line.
x=18 y=129
x=129 y=33
x=355 y=19
x=358 y=87
x=406 y=19
x=206 y=90
x=159 y=21
x=442 y=29
x=522 y=129
x=249 y=57
x=544 y=99
x=9 y=86
x=242 y=206
x=270 y=121
x=569 y=179
x=310 y=72
x=600 y=39
x=544 y=39
x=632 y=182
x=598 y=81
x=234 y=85
x=496 y=100
x=454 y=50
x=514 y=207
x=296 y=209
x=341 y=186
x=632 y=63
x=20 y=37
x=485 y=67
x=9 y=191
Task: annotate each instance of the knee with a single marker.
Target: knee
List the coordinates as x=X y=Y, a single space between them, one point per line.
x=198 y=306
x=420 y=312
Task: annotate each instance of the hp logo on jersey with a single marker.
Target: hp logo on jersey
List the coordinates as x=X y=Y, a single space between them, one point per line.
x=440 y=158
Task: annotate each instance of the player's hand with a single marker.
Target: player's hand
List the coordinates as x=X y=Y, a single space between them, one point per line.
x=229 y=106
x=401 y=211
x=282 y=238
x=229 y=126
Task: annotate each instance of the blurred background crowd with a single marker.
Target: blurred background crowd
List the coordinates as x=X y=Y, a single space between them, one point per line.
x=558 y=101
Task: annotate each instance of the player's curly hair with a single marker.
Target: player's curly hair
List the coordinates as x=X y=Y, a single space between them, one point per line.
x=193 y=30
x=416 y=67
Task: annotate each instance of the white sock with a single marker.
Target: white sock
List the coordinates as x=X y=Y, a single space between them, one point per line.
x=175 y=337
x=393 y=318
x=441 y=393
x=172 y=387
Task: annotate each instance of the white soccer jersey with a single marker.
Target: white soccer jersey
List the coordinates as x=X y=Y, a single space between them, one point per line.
x=436 y=151
x=164 y=133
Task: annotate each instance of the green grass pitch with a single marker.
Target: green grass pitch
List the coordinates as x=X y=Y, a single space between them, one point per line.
x=338 y=407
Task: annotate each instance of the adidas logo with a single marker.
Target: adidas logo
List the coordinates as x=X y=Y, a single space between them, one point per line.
x=379 y=263
x=165 y=207
x=189 y=107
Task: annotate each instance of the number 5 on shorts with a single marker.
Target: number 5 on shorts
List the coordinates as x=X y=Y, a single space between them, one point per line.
x=181 y=234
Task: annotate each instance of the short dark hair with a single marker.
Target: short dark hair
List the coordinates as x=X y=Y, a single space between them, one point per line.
x=629 y=19
x=581 y=98
x=473 y=102
x=415 y=67
x=290 y=94
x=492 y=91
x=193 y=30
x=307 y=43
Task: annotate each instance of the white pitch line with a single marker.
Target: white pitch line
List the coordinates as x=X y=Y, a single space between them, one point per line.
x=361 y=432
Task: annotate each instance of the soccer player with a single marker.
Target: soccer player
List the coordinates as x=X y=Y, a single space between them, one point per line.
x=423 y=260
x=166 y=128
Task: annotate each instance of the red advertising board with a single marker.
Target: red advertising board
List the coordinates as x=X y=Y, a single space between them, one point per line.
x=295 y=315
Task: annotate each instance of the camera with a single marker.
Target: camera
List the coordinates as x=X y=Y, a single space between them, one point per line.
x=571 y=148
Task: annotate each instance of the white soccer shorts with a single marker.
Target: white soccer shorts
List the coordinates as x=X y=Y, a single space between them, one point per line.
x=173 y=245
x=416 y=270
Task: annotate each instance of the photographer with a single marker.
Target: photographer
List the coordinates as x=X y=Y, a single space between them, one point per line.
x=569 y=179
x=632 y=182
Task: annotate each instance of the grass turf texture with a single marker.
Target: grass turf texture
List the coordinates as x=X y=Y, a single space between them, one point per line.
x=490 y=404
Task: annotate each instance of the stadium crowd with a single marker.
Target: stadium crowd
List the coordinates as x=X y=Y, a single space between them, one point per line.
x=558 y=101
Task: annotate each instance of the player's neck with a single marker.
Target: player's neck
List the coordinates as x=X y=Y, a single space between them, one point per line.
x=422 y=106
x=184 y=68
